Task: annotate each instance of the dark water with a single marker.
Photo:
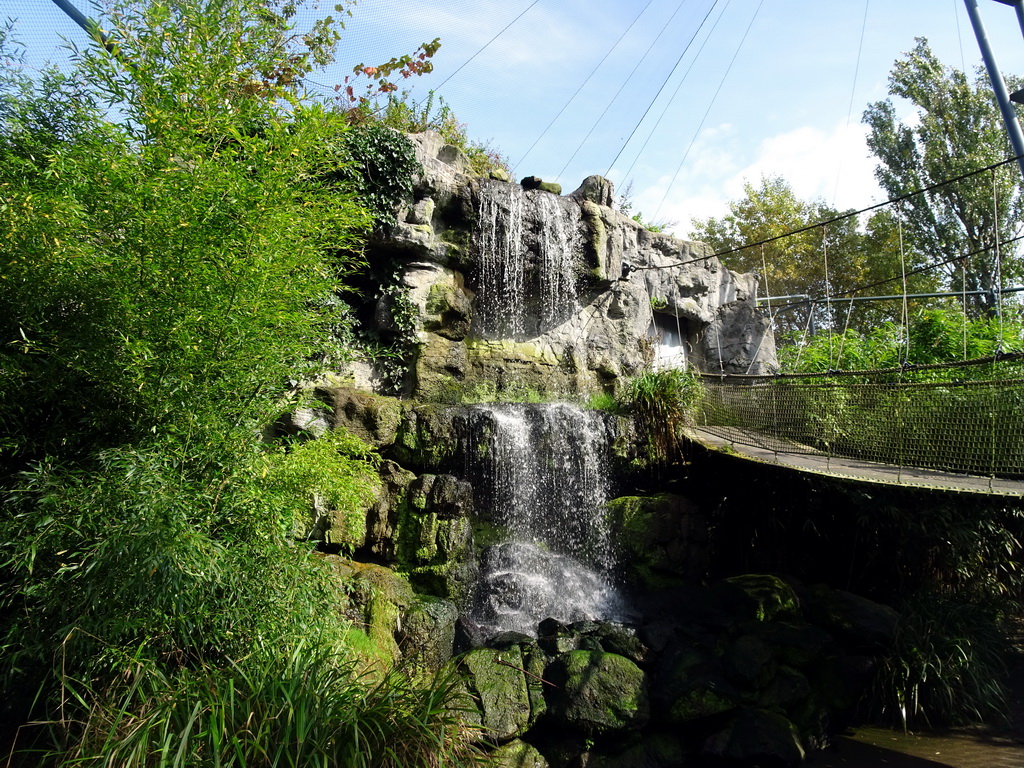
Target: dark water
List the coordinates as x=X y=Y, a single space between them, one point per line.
x=871 y=747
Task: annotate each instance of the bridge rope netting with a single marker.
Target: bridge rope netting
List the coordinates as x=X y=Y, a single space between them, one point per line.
x=900 y=417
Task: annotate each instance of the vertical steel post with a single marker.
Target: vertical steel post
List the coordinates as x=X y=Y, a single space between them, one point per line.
x=1002 y=96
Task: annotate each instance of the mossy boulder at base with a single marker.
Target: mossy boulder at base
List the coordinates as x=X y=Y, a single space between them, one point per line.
x=497 y=686
x=596 y=692
x=427 y=633
x=516 y=754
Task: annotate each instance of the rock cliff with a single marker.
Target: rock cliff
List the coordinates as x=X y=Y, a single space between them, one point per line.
x=515 y=288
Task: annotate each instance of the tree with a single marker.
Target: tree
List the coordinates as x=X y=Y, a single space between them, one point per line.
x=959 y=130
x=795 y=265
x=174 y=239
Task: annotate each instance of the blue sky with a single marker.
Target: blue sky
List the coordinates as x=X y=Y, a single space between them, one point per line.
x=765 y=87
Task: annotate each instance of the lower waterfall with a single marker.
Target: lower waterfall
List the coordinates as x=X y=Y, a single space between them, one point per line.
x=541 y=477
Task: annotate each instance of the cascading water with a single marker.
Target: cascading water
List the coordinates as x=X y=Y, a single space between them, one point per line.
x=527 y=252
x=541 y=476
x=558 y=299
x=501 y=261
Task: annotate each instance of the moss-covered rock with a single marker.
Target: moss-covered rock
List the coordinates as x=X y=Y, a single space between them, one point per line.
x=427 y=633
x=597 y=692
x=373 y=418
x=498 y=689
x=425 y=438
x=516 y=754
x=759 y=597
x=665 y=538
x=380 y=595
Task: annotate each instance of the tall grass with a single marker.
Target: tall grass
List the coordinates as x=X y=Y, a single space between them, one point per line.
x=947 y=665
x=302 y=709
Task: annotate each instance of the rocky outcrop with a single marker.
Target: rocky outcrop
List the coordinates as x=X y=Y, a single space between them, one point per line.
x=517 y=286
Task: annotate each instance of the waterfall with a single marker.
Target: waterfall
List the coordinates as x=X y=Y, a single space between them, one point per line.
x=558 y=299
x=501 y=263
x=541 y=478
x=527 y=248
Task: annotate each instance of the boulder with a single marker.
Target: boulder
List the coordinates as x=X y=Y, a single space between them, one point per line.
x=427 y=633
x=758 y=597
x=860 y=624
x=756 y=737
x=497 y=686
x=516 y=754
x=372 y=418
x=597 y=692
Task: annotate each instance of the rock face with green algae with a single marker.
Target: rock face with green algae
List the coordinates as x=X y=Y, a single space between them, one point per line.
x=664 y=538
x=597 y=692
x=427 y=633
x=516 y=754
x=497 y=685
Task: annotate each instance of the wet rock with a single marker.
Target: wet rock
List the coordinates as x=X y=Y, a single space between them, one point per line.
x=498 y=688
x=757 y=737
x=597 y=692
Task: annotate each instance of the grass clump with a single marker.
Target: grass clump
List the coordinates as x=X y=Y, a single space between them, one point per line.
x=301 y=709
x=661 y=403
x=946 y=668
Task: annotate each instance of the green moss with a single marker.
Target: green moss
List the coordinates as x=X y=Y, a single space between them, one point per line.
x=699 y=703
x=382 y=620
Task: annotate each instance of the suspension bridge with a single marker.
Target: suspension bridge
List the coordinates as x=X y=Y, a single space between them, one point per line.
x=892 y=427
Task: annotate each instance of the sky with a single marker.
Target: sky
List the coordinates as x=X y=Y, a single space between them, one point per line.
x=681 y=100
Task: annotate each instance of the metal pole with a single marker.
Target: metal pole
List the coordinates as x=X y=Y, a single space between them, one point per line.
x=1002 y=96
x=1018 y=6
x=91 y=28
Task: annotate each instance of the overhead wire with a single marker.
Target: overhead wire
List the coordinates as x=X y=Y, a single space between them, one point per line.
x=853 y=93
x=708 y=110
x=486 y=45
x=675 y=93
x=625 y=82
x=593 y=72
x=662 y=88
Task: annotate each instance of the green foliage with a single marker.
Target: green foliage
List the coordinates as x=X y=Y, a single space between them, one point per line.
x=958 y=129
x=166 y=279
x=946 y=667
x=379 y=164
x=796 y=265
x=433 y=114
x=662 y=402
x=300 y=708
x=936 y=335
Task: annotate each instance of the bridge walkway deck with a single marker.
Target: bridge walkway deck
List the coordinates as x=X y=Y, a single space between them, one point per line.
x=752 y=445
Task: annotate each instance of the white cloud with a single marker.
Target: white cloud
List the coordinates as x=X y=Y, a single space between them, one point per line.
x=831 y=165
